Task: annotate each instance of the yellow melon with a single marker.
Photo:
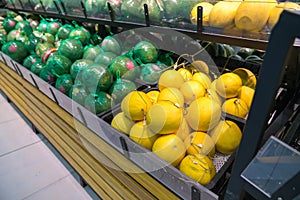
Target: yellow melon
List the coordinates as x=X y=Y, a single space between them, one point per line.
x=223 y=13
x=171 y=94
x=122 y=123
x=203 y=114
x=252 y=15
x=247 y=76
x=277 y=10
x=199 y=66
x=227 y=136
x=211 y=93
x=153 y=94
x=246 y=94
x=236 y=107
x=141 y=134
x=200 y=143
x=164 y=117
x=206 y=8
x=203 y=78
x=213 y=85
x=170 y=78
x=185 y=73
x=170 y=148
x=135 y=105
x=228 y=85
x=184 y=130
x=192 y=90
x=199 y=168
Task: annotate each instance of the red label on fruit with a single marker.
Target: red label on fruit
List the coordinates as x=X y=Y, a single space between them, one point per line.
x=56 y=25
x=12 y=23
x=115 y=2
x=129 y=65
x=62 y=89
x=50 y=78
x=12 y=49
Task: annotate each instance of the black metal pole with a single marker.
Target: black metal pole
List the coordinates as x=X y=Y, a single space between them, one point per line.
x=43 y=7
x=63 y=7
x=111 y=12
x=83 y=9
x=57 y=7
x=199 y=18
x=146 y=12
x=31 y=5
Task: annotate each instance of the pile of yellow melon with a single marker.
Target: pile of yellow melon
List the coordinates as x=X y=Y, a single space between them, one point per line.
x=182 y=121
x=246 y=15
x=237 y=88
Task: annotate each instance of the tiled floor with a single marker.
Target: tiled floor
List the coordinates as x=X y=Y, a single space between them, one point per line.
x=30 y=168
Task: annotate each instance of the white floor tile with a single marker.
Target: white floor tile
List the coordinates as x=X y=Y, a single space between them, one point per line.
x=66 y=189
x=14 y=135
x=7 y=112
x=2 y=99
x=59 y=156
x=28 y=170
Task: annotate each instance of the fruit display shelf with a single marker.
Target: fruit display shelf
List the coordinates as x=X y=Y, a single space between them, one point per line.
x=165 y=174
x=111 y=15
x=95 y=141
x=99 y=129
x=88 y=140
x=122 y=143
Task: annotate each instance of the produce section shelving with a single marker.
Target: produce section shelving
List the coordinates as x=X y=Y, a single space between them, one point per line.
x=237 y=38
x=102 y=139
x=91 y=133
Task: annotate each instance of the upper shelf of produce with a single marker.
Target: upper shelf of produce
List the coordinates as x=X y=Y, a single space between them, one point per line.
x=246 y=23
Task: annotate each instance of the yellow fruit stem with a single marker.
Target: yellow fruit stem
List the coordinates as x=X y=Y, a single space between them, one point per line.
x=184 y=110
x=200 y=146
x=176 y=63
x=200 y=51
x=227 y=123
x=211 y=94
x=142 y=136
x=176 y=104
x=145 y=103
x=225 y=65
x=237 y=101
x=185 y=72
x=201 y=163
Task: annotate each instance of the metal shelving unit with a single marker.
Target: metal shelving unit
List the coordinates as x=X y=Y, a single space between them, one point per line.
x=282 y=59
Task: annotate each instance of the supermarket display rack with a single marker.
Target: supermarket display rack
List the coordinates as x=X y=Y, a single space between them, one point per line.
x=188 y=191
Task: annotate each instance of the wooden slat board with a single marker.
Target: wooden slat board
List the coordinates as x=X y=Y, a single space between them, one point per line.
x=71 y=138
